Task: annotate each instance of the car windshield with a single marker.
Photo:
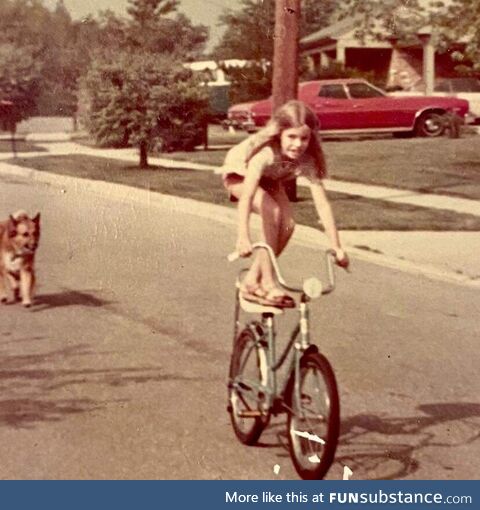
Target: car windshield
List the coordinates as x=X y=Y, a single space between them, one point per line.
x=362 y=90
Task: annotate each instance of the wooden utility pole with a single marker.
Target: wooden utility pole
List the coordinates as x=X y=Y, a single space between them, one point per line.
x=285 y=60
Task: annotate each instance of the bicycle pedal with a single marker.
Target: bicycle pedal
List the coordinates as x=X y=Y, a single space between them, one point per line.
x=249 y=414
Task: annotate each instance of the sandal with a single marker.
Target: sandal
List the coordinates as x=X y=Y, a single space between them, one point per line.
x=278 y=298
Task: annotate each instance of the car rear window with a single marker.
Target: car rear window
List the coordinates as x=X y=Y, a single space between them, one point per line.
x=335 y=91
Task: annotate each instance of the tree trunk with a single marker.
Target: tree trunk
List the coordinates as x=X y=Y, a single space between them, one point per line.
x=13 y=132
x=285 y=51
x=285 y=62
x=143 y=155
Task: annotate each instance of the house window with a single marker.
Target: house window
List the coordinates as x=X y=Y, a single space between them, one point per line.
x=333 y=91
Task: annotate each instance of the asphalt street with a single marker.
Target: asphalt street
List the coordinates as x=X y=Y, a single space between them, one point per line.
x=119 y=369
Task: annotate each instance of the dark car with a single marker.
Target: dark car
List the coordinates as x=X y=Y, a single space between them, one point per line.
x=356 y=106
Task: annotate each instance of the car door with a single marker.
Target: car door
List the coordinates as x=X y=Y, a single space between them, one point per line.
x=375 y=110
x=332 y=107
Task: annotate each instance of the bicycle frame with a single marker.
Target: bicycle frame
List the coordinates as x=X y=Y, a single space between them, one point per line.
x=273 y=399
x=309 y=394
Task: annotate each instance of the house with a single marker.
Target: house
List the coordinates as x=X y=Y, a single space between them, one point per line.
x=395 y=65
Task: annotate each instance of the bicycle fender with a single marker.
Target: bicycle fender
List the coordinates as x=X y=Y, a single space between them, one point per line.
x=311 y=349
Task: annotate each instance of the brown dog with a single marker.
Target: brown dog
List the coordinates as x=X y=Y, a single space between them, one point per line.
x=19 y=237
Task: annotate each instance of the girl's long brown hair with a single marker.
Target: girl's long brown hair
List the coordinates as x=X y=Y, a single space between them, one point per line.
x=291 y=115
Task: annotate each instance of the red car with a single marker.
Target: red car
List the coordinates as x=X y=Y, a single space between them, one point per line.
x=356 y=106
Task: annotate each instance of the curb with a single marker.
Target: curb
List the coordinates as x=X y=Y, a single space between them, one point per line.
x=304 y=236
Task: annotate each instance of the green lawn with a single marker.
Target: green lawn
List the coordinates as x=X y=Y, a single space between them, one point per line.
x=20 y=146
x=351 y=212
x=441 y=165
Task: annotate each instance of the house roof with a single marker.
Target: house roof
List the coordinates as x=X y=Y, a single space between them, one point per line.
x=334 y=32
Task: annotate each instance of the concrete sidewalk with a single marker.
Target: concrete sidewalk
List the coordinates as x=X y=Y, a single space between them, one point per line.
x=432 y=201
x=448 y=256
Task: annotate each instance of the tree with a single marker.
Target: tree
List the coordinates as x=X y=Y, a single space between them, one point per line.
x=249 y=35
x=62 y=65
x=387 y=18
x=316 y=15
x=250 y=82
x=156 y=26
x=459 y=22
x=144 y=99
x=27 y=24
x=19 y=82
x=454 y=22
x=250 y=29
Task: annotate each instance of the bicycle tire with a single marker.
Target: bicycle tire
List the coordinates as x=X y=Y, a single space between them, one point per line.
x=313 y=436
x=247 y=355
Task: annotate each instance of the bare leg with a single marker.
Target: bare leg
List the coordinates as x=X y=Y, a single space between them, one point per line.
x=27 y=280
x=3 y=290
x=274 y=209
x=287 y=223
x=13 y=282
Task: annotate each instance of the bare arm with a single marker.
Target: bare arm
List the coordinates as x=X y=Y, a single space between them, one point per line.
x=324 y=210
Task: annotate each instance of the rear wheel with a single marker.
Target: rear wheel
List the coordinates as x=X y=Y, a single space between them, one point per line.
x=246 y=395
x=430 y=124
x=314 y=417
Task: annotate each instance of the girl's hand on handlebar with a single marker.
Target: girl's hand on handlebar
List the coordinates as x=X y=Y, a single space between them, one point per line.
x=244 y=247
x=341 y=259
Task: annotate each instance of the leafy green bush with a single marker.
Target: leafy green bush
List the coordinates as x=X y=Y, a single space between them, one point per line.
x=146 y=100
x=250 y=82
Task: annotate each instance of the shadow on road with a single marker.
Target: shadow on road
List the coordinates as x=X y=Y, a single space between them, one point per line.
x=384 y=448
x=67 y=298
x=24 y=413
x=34 y=392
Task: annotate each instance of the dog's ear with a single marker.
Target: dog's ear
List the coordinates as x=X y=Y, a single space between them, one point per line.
x=36 y=219
x=12 y=226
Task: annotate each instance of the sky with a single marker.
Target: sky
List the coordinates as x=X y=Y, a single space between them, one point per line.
x=203 y=12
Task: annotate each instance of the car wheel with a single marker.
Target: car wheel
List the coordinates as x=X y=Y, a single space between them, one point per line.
x=430 y=124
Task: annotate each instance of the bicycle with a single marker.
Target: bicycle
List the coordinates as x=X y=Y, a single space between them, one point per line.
x=309 y=394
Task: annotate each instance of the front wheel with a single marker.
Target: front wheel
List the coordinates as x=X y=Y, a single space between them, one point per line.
x=247 y=385
x=314 y=417
x=430 y=124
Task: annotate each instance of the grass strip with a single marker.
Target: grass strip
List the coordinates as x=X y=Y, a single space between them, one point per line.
x=20 y=146
x=351 y=212
x=440 y=166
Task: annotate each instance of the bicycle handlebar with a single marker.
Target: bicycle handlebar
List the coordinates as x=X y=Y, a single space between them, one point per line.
x=329 y=255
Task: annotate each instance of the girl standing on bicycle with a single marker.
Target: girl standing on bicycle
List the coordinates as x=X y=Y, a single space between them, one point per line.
x=254 y=174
